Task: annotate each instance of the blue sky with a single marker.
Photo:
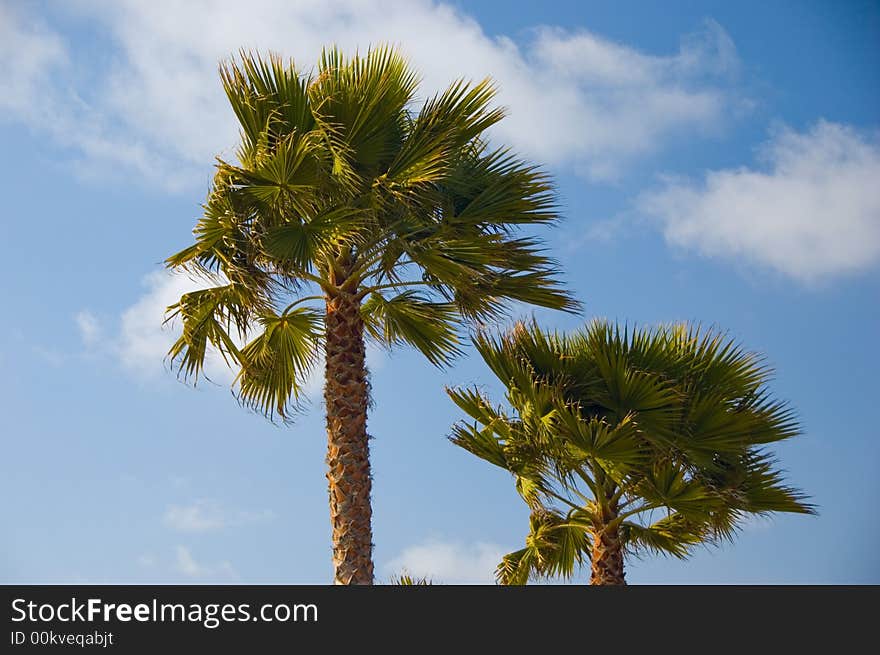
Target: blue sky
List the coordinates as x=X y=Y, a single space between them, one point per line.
x=716 y=161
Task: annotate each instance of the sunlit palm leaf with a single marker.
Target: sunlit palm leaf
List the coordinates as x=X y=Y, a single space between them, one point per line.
x=211 y=317
x=276 y=362
x=672 y=535
x=410 y=318
x=298 y=243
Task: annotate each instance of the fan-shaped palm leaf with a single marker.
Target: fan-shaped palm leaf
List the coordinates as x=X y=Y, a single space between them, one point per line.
x=613 y=425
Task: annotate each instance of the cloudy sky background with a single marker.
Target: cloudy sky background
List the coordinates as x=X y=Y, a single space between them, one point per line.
x=715 y=163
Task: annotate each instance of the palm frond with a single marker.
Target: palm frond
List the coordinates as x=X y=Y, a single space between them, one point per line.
x=296 y=244
x=497 y=190
x=672 y=535
x=276 y=363
x=407 y=580
x=364 y=98
x=516 y=568
x=477 y=406
x=284 y=181
x=446 y=122
x=480 y=442
x=212 y=317
x=269 y=97
x=593 y=439
x=411 y=318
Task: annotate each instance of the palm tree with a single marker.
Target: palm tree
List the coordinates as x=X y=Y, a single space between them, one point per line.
x=627 y=441
x=350 y=215
x=406 y=580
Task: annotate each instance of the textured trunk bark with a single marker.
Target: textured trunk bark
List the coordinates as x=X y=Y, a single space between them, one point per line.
x=606 y=565
x=346 y=395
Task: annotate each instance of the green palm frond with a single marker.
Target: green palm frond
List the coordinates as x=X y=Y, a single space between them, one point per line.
x=489 y=295
x=410 y=318
x=626 y=390
x=446 y=123
x=555 y=547
x=615 y=424
x=669 y=485
x=526 y=355
x=364 y=98
x=284 y=181
x=516 y=568
x=407 y=580
x=758 y=487
x=499 y=190
x=211 y=317
x=672 y=535
x=721 y=363
x=477 y=406
x=463 y=111
x=277 y=361
x=219 y=234
x=269 y=97
x=503 y=445
x=480 y=442
x=622 y=445
x=295 y=245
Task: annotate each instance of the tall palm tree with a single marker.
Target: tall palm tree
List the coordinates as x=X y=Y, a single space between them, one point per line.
x=627 y=441
x=351 y=215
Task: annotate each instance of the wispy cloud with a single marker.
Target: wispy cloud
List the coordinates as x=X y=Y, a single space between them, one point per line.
x=36 y=51
x=141 y=339
x=448 y=562
x=574 y=96
x=187 y=565
x=209 y=515
x=89 y=327
x=40 y=89
x=811 y=213
x=144 y=337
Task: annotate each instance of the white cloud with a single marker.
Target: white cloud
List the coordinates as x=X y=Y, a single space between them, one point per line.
x=35 y=51
x=574 y=97
x=601 y=103
x=144 y=337
x=39 y=89
x=89 y=327
x=449 y=563
x=812 y=214
x=186 y=564
x=209 y=515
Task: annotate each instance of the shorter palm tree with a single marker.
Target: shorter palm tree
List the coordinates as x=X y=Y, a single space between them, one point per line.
x=406 y=580
x=627 y=441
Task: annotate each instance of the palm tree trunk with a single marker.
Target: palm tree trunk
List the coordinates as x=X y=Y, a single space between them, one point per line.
x=346 y=395
x=606 y=564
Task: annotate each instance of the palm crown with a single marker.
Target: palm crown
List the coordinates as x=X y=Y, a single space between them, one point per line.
x=341 y=189
x=627 y=440
x=350 y=215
